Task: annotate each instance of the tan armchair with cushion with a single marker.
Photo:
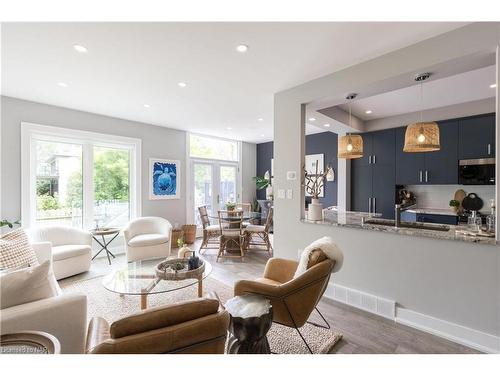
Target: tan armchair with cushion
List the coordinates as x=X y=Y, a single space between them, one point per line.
x=293 y=298
x=192 y=327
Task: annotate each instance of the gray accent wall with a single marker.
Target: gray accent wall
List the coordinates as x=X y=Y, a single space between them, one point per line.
x=452 y=281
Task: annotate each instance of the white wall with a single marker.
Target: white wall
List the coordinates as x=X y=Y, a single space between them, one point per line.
x=449 y=281
x=248 y=171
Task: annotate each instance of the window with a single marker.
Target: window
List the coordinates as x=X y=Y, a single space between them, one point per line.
x=212 y=148
x=78 y=178
x=214 y=177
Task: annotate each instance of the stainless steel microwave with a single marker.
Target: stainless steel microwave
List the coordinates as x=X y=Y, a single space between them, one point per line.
x=476 y=171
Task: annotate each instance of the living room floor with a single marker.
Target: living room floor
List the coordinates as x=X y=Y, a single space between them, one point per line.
x=362 y=331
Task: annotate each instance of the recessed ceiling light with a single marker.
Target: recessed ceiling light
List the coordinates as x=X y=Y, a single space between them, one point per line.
x=368 y=111
x=312 y=119
x=147 y=106
x=80 y=48
x=62 y=84
x=260 y=119
x=229 y=128
x=242 y=48
x=493 y=86
x=326 y=125
x=182 y=84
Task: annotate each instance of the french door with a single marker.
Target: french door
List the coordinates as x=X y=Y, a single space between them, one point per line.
x=214 y=183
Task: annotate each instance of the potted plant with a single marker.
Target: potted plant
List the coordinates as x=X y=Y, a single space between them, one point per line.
x=230 y=206
x=314 y=184
x=455 y=205
x=264 y=182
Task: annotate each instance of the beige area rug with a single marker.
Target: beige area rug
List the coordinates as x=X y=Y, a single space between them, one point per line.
x=111 y=306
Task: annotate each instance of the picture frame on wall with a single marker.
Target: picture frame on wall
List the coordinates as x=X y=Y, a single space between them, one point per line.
x=310 y=163
x=164 y=179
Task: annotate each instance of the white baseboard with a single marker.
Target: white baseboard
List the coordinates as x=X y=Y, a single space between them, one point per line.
x=470 y=337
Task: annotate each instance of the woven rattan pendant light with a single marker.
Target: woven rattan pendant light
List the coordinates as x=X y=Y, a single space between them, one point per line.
x=422 y=136
x=350 y=146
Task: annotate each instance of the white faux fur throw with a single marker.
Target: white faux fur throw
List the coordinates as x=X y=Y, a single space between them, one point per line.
x=327 y=245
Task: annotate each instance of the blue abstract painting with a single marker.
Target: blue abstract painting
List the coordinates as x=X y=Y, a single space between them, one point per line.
x=164 y=179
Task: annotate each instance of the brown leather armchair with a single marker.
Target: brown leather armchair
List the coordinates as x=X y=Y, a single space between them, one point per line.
x=293 y=299
x=192 y=327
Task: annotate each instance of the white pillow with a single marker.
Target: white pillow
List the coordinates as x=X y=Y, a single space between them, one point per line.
x=27 y=285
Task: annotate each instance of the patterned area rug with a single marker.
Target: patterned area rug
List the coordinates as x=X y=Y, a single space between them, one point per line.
x=111 y=306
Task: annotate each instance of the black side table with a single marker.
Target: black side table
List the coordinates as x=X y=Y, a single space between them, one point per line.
x=251 y=318
x=104 y=245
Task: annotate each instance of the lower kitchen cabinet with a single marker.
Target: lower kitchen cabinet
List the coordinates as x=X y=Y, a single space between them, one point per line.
x=429 y=218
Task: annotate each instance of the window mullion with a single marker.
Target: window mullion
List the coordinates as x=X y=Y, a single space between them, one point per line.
x=88 y=186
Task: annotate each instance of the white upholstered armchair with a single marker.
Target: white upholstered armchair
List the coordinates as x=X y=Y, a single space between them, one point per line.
x=148 y=237
x=71 y=249
x=64 y=315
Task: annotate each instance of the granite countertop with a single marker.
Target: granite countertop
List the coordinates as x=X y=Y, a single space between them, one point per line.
x=352 y=220
x=431 y=211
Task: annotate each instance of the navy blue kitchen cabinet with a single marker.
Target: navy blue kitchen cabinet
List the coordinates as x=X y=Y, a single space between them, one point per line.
x=477 y=137
x=433 y=168
x=429 y=218
x=373 y=175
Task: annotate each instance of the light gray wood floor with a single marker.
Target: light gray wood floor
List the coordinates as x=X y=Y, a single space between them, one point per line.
x=363 y=332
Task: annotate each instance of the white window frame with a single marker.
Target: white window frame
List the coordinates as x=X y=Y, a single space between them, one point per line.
x=34 y=132
x=215 y=164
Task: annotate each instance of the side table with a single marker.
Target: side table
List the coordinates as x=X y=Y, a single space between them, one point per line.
x=29 y=342
x=251 y=317
x=104 y=245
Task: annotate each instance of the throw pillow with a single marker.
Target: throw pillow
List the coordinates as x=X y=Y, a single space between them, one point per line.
x=27 y=285
x=15 y=250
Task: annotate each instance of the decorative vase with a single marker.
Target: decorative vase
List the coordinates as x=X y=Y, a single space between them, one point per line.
x=315 y=210
x=183 y=251
x=269 y=192
x=193 y=262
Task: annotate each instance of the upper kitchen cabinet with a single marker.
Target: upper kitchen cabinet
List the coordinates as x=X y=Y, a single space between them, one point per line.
x=433 y=168
x=477 y=137
x=441 y=167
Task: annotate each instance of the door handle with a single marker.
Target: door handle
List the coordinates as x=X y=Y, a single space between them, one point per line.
x=426 y=176
x=420 y=175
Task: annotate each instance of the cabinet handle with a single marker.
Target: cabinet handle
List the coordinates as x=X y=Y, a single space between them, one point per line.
x=374 y=205
x=369 y=205
x=369 y=159
x=420 y=175
x=426 y=176
x=374 y=158
x=489 y=148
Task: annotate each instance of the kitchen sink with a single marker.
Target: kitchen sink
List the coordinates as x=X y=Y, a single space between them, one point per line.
x=409 y=225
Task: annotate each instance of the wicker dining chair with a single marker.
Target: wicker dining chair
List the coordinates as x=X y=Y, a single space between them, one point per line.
x=211 y=232
x=247 y=209
x=258 y=235
x=231 y=229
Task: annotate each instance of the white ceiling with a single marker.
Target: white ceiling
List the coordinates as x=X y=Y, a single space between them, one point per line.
x=132 y=64
x=460 y=88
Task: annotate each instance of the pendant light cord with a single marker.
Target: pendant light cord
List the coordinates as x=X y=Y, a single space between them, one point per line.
x=421 y=99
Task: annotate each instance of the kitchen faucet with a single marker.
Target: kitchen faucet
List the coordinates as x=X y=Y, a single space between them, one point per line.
x=397 y=215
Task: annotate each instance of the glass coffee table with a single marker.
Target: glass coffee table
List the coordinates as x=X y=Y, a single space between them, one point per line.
x=139 y=278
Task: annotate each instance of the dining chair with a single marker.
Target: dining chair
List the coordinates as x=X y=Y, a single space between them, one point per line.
x=231 y=229
x=258 y=235
x=211 y=232
x=247 y=210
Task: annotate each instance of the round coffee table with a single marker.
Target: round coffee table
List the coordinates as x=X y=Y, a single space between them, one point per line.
x=251 y=318
x=139 y=278
x=29 y=342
